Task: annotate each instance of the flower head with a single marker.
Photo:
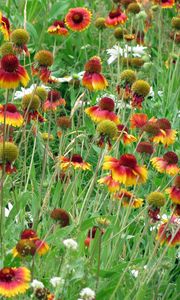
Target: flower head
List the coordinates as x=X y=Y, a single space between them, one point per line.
x=92 y=78
x=10 y=112
x=128 y=77
x=61 y=216
x=115 y=17
x=64 y=122
x=133 y=8
x=140 y=89
x=4 y=27
x=176 y=22
x=138 y=120
x=6 y=48
x=75 y=161
x=103 y=111
x=43 y=60
x=128 y=199
x=169 y=233
x=145 y=147
x=54 y=100
x=126 y=169
x=58 y=28
x=36 y=284
x=57 y=282
x=87 y=294
x=100 y=23
x=8 y=154
x=70 y=244
x=165 y=134
x=124 y=135
x=174 y=191
x=78 y=18
x=111 y=184
x=12 y=73
x=20 y=38
x=156 y=199
x=165 y=3
x=167 y=164
x=14 y=281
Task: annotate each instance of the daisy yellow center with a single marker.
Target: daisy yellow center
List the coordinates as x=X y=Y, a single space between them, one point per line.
x=9 y=63
x=77 y=18
x=7 y=274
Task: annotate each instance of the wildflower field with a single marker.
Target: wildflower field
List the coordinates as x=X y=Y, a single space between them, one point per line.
x=89 y=173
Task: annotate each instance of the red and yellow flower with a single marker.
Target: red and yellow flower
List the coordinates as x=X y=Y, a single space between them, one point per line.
x=167 y=164
x=126 y=169
x=8 y=154
x=92 y=79
x=169 y=233
x=165 y=135
x=14 y=281
x=11 y=114
x=124 y=135
x=78 y=19
x=12 y=73
x=58 y=28
x=5 y=27
x=112 y=185
x=128 y=199
x=138 y=120
x=103 y=111
x=115 y=17
x=165 y=3
x=25 y=248
x=75 y=161
x=174 y=191
x=43 y=60
x=53 y=101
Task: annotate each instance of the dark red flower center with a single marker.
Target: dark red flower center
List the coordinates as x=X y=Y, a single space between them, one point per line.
x=163 y=124
x=77 y=17
x=128 y=160
x=115 y=13
x=7 y=274
x=93 y=65
x=106 y=103
x=77 y=158
x=5 y=23
x=171 y=157
x=123 y=128
x=28 y=234
x=10 y=108
x=59 y=23
x=145 y=147
x=9 y=63
x=54 y=95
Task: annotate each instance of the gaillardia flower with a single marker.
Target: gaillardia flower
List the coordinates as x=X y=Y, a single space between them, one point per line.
x=115 y=17
x=61 y=216
x=112 y=185
x=20 y=38
x=4 y=27
x=174 y=191
x=8 y=154
x=167 y=164
x=10 y=112
x=12 y=73
x=145 y=147
x=30 y=105
x=43 y=60
x=165 y=3
x=103 y=111
x=54 y=100
x=92 y=79
x=156 y=199
x=14 y=281
x=128 y=199
x=107 y=130
x=125 y=170
x=78 y=18
x=140 y=89
x=75 y=161
x=64 y=122
x=58 y=28
x=138 y=120
x=124 y=135
x=169 y=233
x=165 y=135
x=133 y=8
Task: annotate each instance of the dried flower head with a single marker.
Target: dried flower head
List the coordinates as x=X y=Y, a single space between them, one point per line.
x=44 y=58
x=176 y=22
x=64 y=122
x=107 y=128
x=133 y=8
x=8 y=152
x=141 y=88
x=119 y=33
x=128 y=76
x=26 y=247
x=6 y=48
x=20 y=37
x=100 y=23
x=41 y=93
x=156 y=199
x=30 y=101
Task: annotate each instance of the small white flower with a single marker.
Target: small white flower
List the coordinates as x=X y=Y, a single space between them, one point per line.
x=115 y=51
x=135 y=273
x=152 y=94
x=20 y=94
x=57 y=281
x=87 y=294
x=70 y=244
x=36 y=284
